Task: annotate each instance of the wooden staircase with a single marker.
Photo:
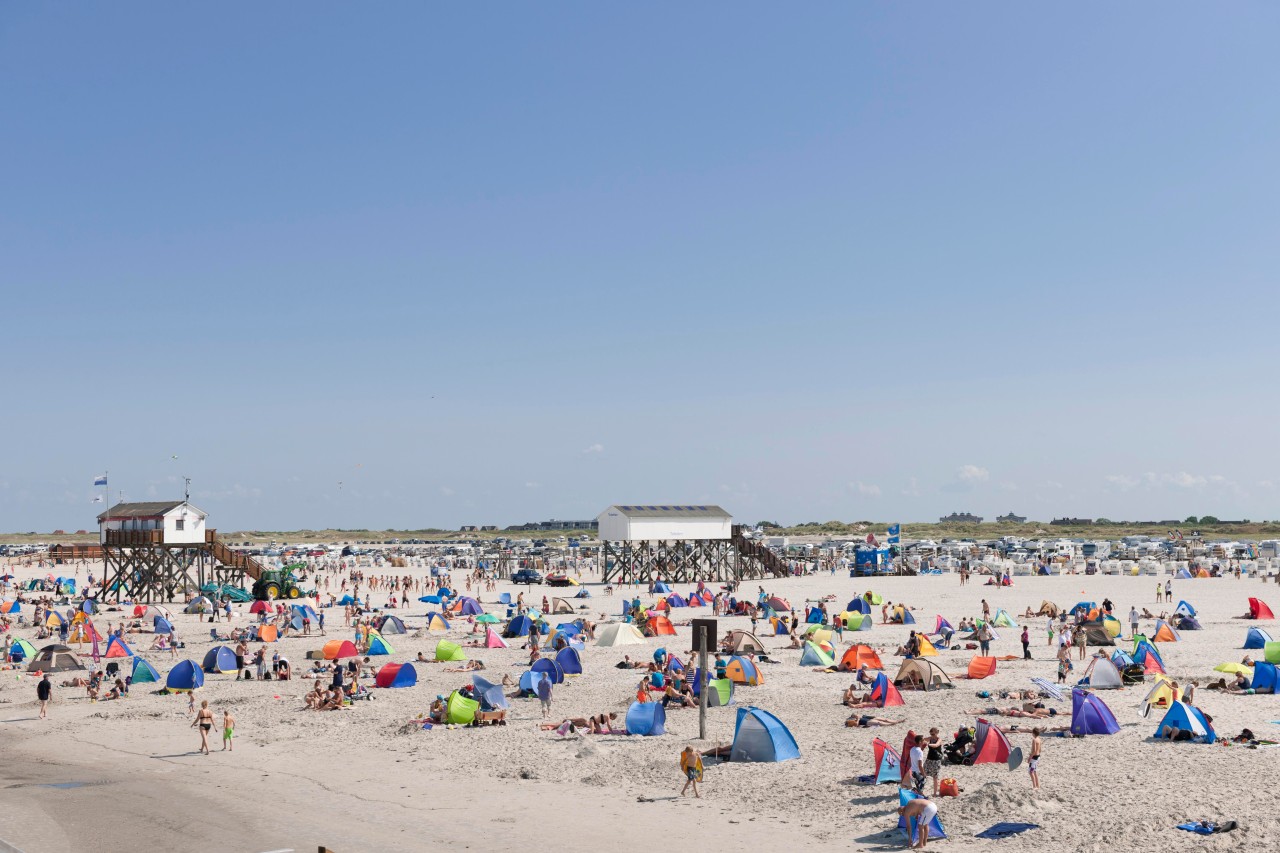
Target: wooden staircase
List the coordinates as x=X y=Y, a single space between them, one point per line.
x=755 y=559
x=231 y=558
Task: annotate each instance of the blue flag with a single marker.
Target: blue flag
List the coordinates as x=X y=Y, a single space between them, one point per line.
x=100 y=480
x=894 y=530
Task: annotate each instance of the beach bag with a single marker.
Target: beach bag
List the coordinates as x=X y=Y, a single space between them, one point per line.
x=948 y=788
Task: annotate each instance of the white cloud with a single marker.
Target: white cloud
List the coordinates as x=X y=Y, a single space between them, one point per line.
x=1262 y=484
x=595 y=448
x=868 y=489
x=972 y=474
x=446 y=491
x=1122 y=481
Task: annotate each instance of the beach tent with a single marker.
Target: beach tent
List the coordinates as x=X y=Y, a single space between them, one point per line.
x=1187 y=718
x=661 y=626
x=569 y=661
x=818 y=634
x=907 y=618
x=720 y=690
x=817 y=655
x=396 y=675
x=335 y=649
x=491 y=696
x=268 y=633
x=981 y=667
x=660 y=588
x=1187 y=623
x=1185 y=609
x=1164 y=633
x=117 y=648
x=84 y=632
x=379 y=646
x=927 y=649
x=10 y=606
x=1090 y=715
x=619 y=634
x=990 y=745
x=856 y=621
x=744 y=643
x=1271 y=652
x=261 y=606
x=1112 y=626
x=1182 y=574
x=184 y=677
x=943 y=626
x=743 y=671
x=778 y=626
x=924 y=674
x=1161 y=695
x=1264 y=677
x=884 y=693
x=529 y=682
x=778 y=604
x=161 y=625
x=437 y=623
x=1259 y=610
x=760 y=736
x=815 y=616
x=673 y=600
x=55 y=658
x=912 y=832
x=518 y=627
x=426 y=599
x=392 y=625
x=55 y=620
x=1143 y=649
x=583 y=593
x=447 y=651
x=888 y=763
x=646 y=719
x=200 y=604
x=1003 y=619
x=859 y=656
x=459 y=710
x=570 y=629
x=219 y=659
x=1102 y=674
x=89 y=606
x=1096 y=634
x=559 y=605
x=21 y=650
x=345 y=600
x=143 y=672
x=858 y=605
x=466 y=606
x=492 y=640
x=549 y=668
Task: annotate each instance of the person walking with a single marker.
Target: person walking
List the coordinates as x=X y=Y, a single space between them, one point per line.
x=1082 y=640
x=984 y=640
x=228 y=731
x=1026 y=643
x=691 y=765
x=1033 y=763
x=242 y=651
x=204 y=719
x=44 y=692
x=1133 y=621
x=544 y=696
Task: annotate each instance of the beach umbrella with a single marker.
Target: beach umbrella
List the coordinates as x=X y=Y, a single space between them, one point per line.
x=1232 y=668
x=487 y=619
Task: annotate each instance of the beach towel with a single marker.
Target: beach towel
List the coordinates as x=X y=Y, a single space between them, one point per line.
x=1006 y=830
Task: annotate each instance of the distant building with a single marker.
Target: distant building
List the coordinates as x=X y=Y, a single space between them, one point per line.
x=554 y=524
x=960 y=518
x=1072 y=522
x=173 y=522
x=467 y=528
x=487 y=528
x=1011 y=519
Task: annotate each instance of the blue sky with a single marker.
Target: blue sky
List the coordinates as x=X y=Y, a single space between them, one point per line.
x=490 y=265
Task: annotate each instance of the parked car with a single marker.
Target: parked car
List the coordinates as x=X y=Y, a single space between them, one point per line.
x=526 y=576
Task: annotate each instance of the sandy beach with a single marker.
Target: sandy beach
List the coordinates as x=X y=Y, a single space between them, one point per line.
x=126 y=774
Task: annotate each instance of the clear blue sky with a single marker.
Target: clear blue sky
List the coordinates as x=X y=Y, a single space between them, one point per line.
x=502 y=263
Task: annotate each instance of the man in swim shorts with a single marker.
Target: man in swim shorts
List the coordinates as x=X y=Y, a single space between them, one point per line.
x=923 y=812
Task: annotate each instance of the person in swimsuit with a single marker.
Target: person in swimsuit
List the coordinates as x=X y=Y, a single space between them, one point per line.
x=228 y=731
x=1033 y=764
x=933 y=757
x=923 y=812
x=204 y=719
x=866 y=721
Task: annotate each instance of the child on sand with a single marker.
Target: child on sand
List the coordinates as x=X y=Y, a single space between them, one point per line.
x=228 y=731
x=1033 y=764
x=691 y=764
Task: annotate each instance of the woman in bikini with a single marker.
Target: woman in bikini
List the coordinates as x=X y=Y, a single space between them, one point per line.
x=204 y=719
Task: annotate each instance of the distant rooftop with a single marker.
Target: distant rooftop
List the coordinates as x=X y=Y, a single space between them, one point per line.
x=670 y=510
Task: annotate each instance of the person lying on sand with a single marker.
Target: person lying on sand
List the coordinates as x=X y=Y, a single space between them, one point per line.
x=1147 y=614
x=1031 y=713
x=628 y=663
x=866 y=721
x=469 y=666
x=1019 y=730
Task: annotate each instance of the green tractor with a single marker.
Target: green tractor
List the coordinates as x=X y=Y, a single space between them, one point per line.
x=277 y=583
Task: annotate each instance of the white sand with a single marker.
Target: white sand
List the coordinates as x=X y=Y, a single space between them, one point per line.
x=358 y=780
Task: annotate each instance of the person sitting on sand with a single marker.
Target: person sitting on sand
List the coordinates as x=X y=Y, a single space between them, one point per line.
x=336 y=700
x=116 y=692
x=1242 y=685
x=671 y=696
x=795 y=641
x=315 y=698
x=438 y=709
x=866 y=721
